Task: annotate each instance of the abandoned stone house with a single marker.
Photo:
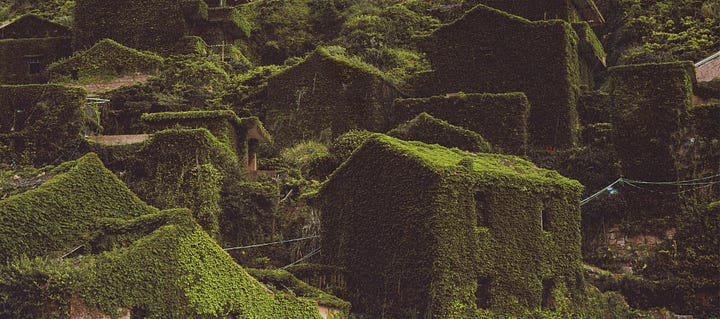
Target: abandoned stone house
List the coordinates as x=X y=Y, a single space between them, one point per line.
x=163 y=26
x=27 y=45
x=242 y=135
x=551 y=61
x=337 y=92
x=423 y=231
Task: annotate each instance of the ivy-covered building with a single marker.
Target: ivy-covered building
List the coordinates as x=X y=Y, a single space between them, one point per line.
x=128 y=256
x=502 y=119
x=241 y=135
x=105 y=60
x=428 y=129
x=40 y=124
x=423 y=231
x=326 y=93
x=651 y=103
x=28 y=45
x=492 y=51
x=162 y=26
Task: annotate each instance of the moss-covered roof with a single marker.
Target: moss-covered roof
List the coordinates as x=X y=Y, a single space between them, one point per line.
x=179 y=271
x=322 y=55
x=244 y=123
x=658 y=68
x=63 y=212
x=32 y=26
x=429 y=129
x=106 y=58
x=441 y=159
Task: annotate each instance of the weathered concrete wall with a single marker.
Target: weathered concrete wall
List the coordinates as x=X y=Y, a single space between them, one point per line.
x=119 y=139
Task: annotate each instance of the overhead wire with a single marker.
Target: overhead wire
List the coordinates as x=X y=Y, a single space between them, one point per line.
x=702 y=182
x=270 y=243
x=312 y=253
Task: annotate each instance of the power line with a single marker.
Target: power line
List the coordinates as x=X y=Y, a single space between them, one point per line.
x=312 y=253
x=72 y=251
x=271 y=243
x=600 y=192
x=699 y=182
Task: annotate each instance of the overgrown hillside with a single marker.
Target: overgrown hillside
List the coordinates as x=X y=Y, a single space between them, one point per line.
x=283 y=136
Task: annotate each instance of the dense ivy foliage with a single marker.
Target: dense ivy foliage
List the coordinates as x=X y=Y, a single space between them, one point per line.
x=178 y=271
x=183 y=168
x=339 y=93
x=155 y=25
x=532 y=10
x=428 y=129
x=16 y=66
x=659 y=31
x=709 y=90
x=449 y=230
x=276 y=38
x=411 y=249
x=498 y=53
x=648 y=126
x=104 y=60
x=702 y=155
x=500 y=118
x=32 y=26
x=227 y=127
x=282 y=279
x=58 y=11
x=40 y=124
x=63 y=212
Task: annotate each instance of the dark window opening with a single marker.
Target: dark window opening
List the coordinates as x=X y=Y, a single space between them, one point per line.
x=482 y=209
x=482 y=294
x=545 y=216
x=139 y=312
x=34 y=65
x=548 y=302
